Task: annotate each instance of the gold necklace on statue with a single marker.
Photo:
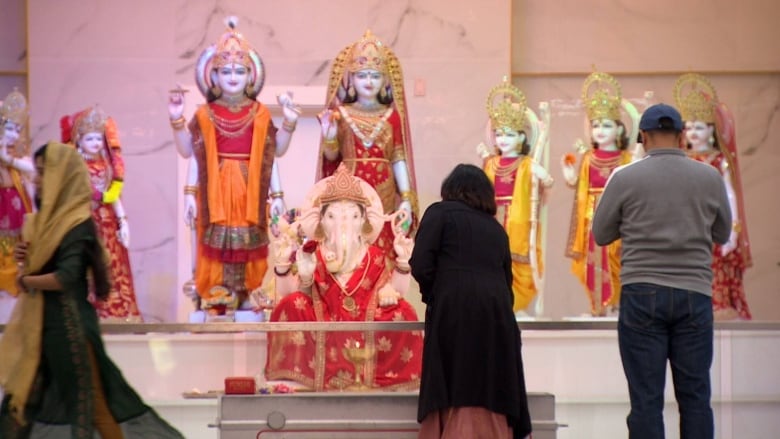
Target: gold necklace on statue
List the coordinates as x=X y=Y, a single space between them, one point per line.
x=348 y=302
x=368 y=141
x=605 y=166
x=506 y=173
x=232 y=128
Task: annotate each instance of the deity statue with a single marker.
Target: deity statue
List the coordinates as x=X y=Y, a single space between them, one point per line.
x=16 y=193
x=342 y=276
x=711 y=138
x=96 y=137
x=234 y=144
x=518 y=178
x=365 y=125
x=598 y=268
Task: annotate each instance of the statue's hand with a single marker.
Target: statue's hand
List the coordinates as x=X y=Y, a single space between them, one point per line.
x=327 y=118
x=282 y=248
x=124 y=233
x=306 y=263
x=730 y=245
x=190 y=210
x=388 y=296
x=289 y=109
x=539 y=172
x=405 y=206
x=176 y=103
x=569 y=172
x=277 y=207
x=403 y=246
x=483 y=151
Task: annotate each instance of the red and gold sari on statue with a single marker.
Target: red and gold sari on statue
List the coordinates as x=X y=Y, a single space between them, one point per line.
x=14 y=204
x=597 y=268
x=316 y=359
x=383 y=129
x=121 y=302
x=728 y=292
x=234 y=152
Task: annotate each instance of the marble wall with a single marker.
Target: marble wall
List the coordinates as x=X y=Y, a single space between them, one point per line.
x=127 y=55
x=647 y=46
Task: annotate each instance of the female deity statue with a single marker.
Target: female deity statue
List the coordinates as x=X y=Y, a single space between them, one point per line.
x=597 y=268
x=711 y=138
x=16 y=193
x=97 y=139
x=365 y=126
x=234 y=143
x=342 y=276
x=516 y=175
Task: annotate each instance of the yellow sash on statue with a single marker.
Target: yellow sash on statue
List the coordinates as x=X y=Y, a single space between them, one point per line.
x=518 y=226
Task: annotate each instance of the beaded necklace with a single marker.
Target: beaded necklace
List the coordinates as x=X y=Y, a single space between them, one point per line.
x=368 y=141
x=232 y=128
x=605 y=166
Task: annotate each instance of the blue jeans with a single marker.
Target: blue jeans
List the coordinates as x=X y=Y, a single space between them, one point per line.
x=657 y=323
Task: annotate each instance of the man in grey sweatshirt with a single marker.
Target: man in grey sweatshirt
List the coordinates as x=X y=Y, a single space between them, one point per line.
x=668 y=210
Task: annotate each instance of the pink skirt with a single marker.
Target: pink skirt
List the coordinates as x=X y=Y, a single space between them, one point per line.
x=465 y=423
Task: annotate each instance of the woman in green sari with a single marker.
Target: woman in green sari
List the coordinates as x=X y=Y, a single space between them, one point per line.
x=57 y=378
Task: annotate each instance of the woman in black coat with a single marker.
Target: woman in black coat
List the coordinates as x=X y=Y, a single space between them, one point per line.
x=472 y=372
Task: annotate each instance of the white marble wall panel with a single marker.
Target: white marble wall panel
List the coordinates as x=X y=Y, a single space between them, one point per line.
x=126 y=55
x=754 y=99
x=570 y=35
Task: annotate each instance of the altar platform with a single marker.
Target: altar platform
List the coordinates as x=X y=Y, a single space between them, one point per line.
x=576 y=361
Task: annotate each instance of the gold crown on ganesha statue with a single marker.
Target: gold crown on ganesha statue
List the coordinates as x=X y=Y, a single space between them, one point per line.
x=601 y=95
x=368 y=53
x=342 y=185
x=698 y=101
x=232 y=47
x=14 y=108
x=506 y=105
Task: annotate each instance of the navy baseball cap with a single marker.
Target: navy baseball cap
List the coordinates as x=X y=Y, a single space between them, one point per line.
x=661 y=117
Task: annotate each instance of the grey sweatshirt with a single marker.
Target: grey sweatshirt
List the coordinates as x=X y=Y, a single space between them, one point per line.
x=668 y=210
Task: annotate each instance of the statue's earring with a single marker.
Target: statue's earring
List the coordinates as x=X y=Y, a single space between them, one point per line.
x=383 y=93
x=366 y=229
x=711 y=140
x=351 y=92
x=319 y=234
x=216 y=91
x=249 y=89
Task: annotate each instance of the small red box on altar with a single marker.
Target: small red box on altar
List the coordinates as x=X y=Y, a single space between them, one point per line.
x=240 y=386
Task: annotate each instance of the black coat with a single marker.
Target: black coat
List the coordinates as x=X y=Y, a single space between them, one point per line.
x=471 y=355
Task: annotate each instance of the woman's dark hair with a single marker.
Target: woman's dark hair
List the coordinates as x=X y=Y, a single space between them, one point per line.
x=621 y=141
x=41 y=152
x=469 y=185
x=94 y=251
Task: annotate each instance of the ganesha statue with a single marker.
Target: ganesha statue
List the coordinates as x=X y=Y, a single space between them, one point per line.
x=340 y=275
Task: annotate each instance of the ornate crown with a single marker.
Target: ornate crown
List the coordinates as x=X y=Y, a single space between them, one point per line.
x=699 y=101
x=91 y=120
x=232 y=47
x=367 y=53
x=342 y=185
x=506 y=106
x=603 y=102
x=14 y=108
